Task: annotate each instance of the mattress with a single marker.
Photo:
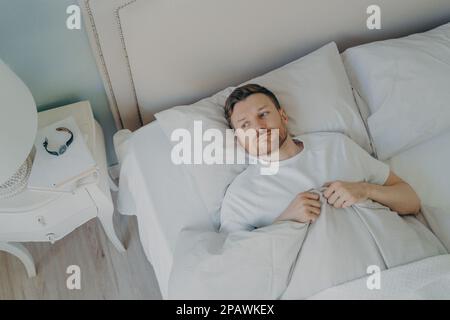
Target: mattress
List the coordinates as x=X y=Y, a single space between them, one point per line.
x=163 y=197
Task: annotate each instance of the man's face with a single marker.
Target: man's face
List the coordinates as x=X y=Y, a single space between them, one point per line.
x=253 y=119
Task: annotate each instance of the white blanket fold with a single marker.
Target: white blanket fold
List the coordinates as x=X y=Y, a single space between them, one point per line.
x=291 y=260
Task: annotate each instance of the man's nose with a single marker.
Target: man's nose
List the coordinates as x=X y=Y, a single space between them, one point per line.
x=261 y=124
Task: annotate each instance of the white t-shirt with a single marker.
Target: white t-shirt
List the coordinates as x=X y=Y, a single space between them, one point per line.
x=254 y=200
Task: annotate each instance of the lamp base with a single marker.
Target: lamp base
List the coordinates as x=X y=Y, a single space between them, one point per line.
x=18 y=181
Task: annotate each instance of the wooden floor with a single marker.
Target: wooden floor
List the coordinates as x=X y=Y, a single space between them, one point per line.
x=105 y=273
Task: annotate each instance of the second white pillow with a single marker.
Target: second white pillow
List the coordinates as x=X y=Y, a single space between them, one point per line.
x=406 y=85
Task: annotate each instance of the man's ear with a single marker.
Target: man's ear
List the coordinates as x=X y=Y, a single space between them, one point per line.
x=283 y=115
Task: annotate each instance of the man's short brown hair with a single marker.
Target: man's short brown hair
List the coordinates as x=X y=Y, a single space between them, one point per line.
x=241 y=93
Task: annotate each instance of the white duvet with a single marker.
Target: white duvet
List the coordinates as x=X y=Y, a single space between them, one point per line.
x=291 y=260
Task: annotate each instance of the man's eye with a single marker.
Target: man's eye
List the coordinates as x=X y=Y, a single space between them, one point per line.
x=244 y=125
x=265 y=113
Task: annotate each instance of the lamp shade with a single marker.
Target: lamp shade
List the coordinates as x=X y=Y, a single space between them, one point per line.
x=18 y=122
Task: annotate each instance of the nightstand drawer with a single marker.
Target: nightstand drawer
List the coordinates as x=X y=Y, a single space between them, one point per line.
x=53 y=232
x=46 y=218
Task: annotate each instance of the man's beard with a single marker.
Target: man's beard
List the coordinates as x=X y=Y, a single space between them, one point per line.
x=282 y=137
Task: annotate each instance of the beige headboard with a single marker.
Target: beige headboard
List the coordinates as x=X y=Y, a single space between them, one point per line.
x=155 y=54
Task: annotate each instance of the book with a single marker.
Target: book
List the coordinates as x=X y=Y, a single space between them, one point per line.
x=60 y=173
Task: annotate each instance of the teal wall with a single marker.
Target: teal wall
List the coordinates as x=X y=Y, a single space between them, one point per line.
x=55 y=63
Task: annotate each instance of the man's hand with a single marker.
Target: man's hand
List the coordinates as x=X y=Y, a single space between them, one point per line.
x=303 y=208
x=342 y=194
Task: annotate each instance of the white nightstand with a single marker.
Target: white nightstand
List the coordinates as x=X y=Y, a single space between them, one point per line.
x=49 y=216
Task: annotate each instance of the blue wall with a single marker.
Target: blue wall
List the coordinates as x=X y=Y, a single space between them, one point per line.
x=55 y=63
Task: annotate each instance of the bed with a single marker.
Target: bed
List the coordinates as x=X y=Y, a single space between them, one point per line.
x=161 y=215
x=143 y=75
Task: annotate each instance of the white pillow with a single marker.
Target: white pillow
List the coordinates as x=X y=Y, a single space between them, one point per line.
x=316 y=95
x=405 y=83
x=211 y=180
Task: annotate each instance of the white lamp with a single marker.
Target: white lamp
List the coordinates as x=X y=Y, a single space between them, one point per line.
x=18 y=126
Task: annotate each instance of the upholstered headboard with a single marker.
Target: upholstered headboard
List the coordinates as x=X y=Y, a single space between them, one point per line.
x=155 y=54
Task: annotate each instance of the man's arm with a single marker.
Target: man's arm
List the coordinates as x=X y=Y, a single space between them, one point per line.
x=395 y=193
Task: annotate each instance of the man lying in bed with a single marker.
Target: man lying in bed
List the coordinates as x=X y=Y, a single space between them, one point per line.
x=308 y=161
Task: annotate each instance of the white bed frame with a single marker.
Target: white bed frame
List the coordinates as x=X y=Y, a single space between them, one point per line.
x=155 y=54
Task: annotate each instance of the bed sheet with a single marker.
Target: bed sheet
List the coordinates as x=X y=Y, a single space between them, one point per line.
x=426 y=168
x=424 y=279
